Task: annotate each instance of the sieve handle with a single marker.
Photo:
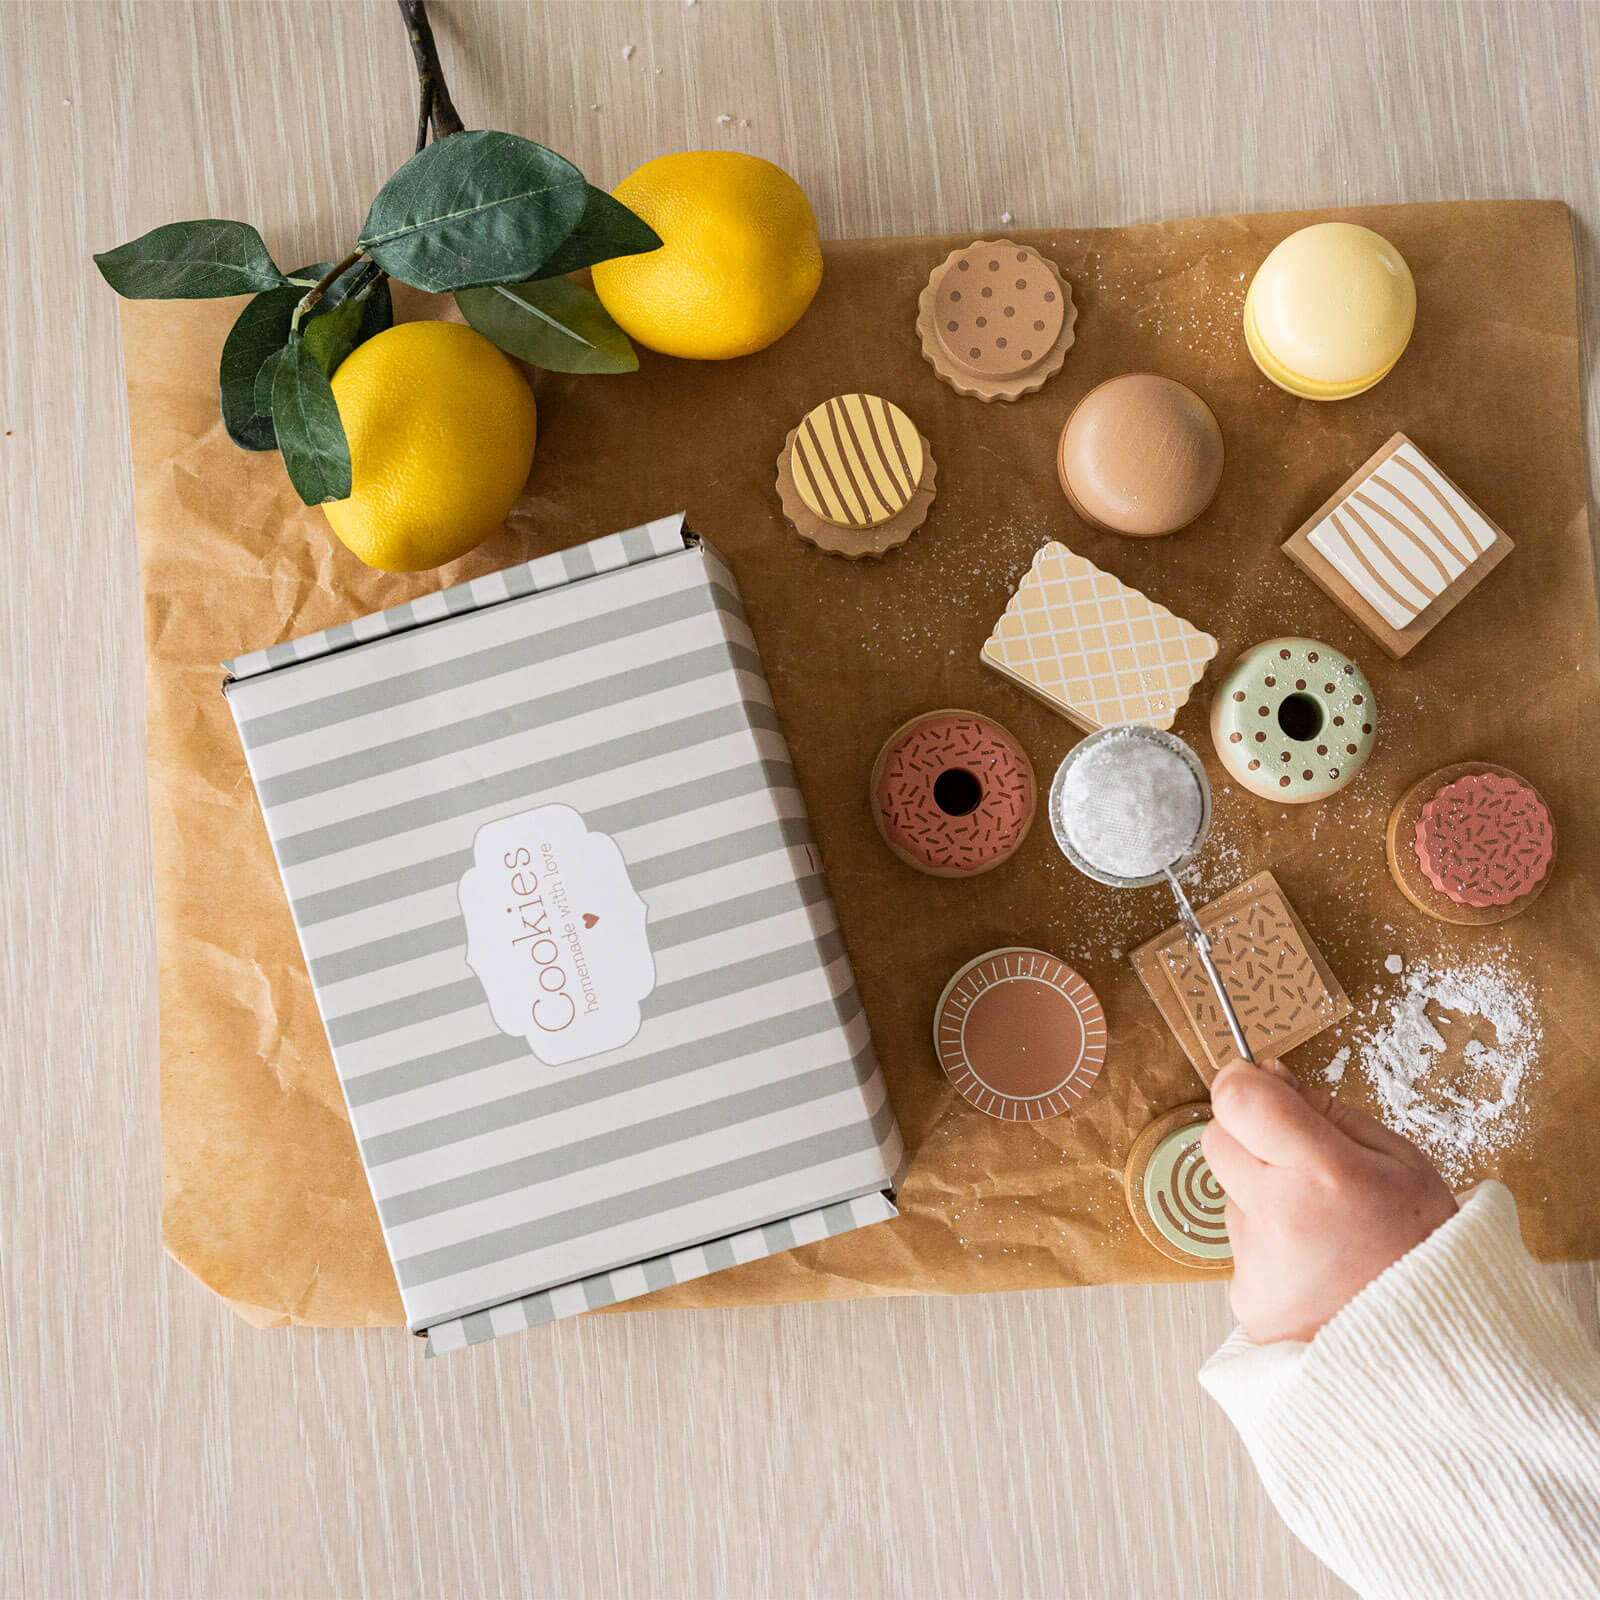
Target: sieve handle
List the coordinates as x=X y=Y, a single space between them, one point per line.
x=1201 y=944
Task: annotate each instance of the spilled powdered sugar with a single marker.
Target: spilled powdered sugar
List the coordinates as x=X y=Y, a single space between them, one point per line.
x=1449 y=1062
x=1333 y=1073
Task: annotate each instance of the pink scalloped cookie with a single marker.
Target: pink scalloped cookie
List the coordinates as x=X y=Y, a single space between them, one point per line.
x=953 y=793
x=1485 y=840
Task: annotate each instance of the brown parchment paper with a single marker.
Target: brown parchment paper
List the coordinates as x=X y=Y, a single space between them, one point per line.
x=264 y=1196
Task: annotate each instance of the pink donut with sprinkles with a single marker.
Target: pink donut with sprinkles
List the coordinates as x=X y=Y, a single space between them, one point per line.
x=953 y=794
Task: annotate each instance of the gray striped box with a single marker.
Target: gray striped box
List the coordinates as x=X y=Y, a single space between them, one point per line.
x=569 y=935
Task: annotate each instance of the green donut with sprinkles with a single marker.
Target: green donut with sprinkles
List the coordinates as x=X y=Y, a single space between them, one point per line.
x=1294 y=720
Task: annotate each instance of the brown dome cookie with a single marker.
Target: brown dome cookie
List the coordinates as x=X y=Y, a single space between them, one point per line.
x=1140 y=455
x=996 y=319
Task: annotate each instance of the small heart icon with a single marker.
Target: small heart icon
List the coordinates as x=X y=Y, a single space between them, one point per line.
x=589 y=919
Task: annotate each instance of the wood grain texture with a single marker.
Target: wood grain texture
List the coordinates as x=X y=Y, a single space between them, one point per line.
x=1043 y=1444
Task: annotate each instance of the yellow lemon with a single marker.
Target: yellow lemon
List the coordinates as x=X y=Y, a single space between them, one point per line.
x=441 y=427
x=739 y=261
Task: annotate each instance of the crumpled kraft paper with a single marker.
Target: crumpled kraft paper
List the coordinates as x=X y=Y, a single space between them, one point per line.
x=265 y=1201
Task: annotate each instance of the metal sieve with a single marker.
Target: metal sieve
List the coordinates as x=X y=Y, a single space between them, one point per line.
x=1198 y=940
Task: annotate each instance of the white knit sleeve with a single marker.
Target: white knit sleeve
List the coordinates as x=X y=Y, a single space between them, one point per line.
x=1439 y=1439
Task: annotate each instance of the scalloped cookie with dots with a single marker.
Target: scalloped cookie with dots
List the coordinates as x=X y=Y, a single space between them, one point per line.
x=996 y=320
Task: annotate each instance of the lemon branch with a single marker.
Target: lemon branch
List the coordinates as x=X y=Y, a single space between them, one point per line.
x=468 y=211
x=436 y=107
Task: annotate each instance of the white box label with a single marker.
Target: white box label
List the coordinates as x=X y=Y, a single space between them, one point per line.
x=556 y=934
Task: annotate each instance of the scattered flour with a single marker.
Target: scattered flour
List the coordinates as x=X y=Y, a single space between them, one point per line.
x=1131 y=807
x=1449 y=1063
x=1394 y=964
x=1219 y=867
x=1333 y=1073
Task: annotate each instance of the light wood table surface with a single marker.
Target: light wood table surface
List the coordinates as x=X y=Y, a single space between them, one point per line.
x=1049 y=1444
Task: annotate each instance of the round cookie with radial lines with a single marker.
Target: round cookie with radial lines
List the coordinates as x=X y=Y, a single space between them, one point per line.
x=1020 y=1035
x=855 y=477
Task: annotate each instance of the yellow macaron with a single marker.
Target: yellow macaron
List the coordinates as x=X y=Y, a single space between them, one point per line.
x=1330 y=311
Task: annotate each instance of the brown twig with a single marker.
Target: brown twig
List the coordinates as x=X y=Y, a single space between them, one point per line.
x=321 y=287
x=437 y=106
x=424 y=113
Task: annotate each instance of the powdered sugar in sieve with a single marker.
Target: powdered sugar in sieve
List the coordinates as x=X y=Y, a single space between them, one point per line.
x=1130 y=806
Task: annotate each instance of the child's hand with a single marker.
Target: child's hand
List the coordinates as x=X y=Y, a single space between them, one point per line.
x=1321 y=1198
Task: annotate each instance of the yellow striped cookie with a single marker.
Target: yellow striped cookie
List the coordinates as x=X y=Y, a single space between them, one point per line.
x=857 y=461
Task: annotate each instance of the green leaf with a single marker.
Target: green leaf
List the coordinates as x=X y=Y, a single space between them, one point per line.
x=607 y=228
x=316 y=453
x=331 y=337
x=553 y=323
x=190 y=261
x=353 y=309
x=257 y=337
x=377 y=311
x=365 y=285
x=262 y=330
x=474 y=208
x=263 y=388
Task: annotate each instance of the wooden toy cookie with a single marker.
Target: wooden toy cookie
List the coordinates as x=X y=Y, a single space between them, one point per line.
x=855 y=477
x=1141 y=455
x=953 y=794
x=1398 y=547
x=1020 y=1035
x=1093 y=649
x=1471 y=844
x=1281 y=988
x=1174 y=1196
x=1294 y=720
x=996 y=320
x=1330 y=311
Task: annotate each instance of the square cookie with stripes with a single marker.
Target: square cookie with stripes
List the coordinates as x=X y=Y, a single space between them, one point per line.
x=1398 y=547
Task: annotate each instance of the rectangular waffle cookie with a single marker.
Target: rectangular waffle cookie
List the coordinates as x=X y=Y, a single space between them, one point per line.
x=1097 y=651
